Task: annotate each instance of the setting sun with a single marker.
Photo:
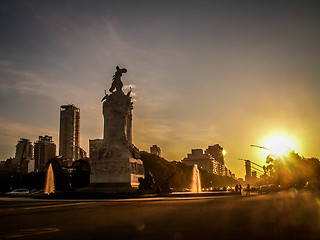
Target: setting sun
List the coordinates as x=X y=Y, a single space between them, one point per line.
x=279 y=144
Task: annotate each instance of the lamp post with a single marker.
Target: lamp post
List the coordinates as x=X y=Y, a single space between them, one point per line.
x=252 y=145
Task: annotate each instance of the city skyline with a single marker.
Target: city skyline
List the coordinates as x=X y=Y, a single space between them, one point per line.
x=233 y=74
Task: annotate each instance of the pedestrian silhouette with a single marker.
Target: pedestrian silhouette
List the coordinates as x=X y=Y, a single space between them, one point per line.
x=248 y=190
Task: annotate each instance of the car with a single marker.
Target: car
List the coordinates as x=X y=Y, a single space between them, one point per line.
x=35 y=192
x=254 y=189
x=313 y=186
x=273 y=188
x=23 y=192
x=263 y=189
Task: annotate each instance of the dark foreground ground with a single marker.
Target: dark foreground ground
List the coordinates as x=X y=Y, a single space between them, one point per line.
x=286 y=215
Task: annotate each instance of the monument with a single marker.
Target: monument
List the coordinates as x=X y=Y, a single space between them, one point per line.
x=116 y=165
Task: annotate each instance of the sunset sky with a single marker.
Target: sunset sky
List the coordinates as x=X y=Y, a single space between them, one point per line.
x=203 y=72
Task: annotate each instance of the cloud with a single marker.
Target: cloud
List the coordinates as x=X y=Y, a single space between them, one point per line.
x=127 y=88
x=56 y=87
x=23 y=82
x=11 y=132
x=114 y=38
x=176 y=138
x=5 y=63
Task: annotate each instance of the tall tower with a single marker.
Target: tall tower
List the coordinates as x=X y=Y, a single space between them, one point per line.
x=24 y=156
x=24 y=149
x=216 y=151
x=44 y=150
x=69 y=138
x=248 y=176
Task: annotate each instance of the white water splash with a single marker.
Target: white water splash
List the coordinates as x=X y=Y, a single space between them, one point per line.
x=196 y=183
x=49 y=187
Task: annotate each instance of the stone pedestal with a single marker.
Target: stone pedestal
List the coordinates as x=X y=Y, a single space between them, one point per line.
x=122 y=173
x=117 y=165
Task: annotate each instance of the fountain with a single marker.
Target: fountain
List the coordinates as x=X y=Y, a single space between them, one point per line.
x=49 y=186
x=196 y=183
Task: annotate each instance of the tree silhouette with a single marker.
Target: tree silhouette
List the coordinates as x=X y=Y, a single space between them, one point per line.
x=291 y=169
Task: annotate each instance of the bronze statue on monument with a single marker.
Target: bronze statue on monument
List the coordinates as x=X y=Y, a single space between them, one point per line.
x=116 y=83
x=116 y=80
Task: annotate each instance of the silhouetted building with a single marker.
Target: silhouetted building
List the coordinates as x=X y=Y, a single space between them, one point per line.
x=203 y=161
x=23 y=161
x=69 y=138
x=254 y=176
x=217 y=167
x=212 y=160
x=216 y=151
x=155 y=150
x=44 y=150
x=94 y=146
x=248 y=170
x=2 y=164
x=227 y=171
x=9 y=165
x=82 y=153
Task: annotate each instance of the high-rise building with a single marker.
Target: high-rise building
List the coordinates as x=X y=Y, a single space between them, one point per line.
x=254 y=175
x=212 y=160
x=82 y=153
x=69 y=138
x=44 y=150
x=203 y=161
x=216 y=151
x=94 y=146
x=23 y=160
x=248 y=170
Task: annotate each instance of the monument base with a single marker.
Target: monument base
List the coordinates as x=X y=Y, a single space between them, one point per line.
x=116 y=175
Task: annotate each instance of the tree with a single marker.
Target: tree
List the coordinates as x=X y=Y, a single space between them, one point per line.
x=291 y=169
x=179 y=175
x=80 y=175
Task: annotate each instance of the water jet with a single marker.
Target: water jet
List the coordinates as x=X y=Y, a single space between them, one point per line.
x=196 y=182
x=49 y=185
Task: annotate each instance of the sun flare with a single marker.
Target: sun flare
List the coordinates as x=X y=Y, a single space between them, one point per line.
x=279 y=144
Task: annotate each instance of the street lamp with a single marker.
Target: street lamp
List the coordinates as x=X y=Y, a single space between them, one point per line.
x=252 y=145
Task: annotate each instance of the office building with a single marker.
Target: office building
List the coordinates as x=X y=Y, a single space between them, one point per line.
x=248 y=175
x=44 y=150
x=212 y=160
x=23 y=160
x=69 y=137
x=94 y=147
x=216 y=151
x=203 y=161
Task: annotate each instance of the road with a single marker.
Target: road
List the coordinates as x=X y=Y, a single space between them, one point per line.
x=286 y=215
